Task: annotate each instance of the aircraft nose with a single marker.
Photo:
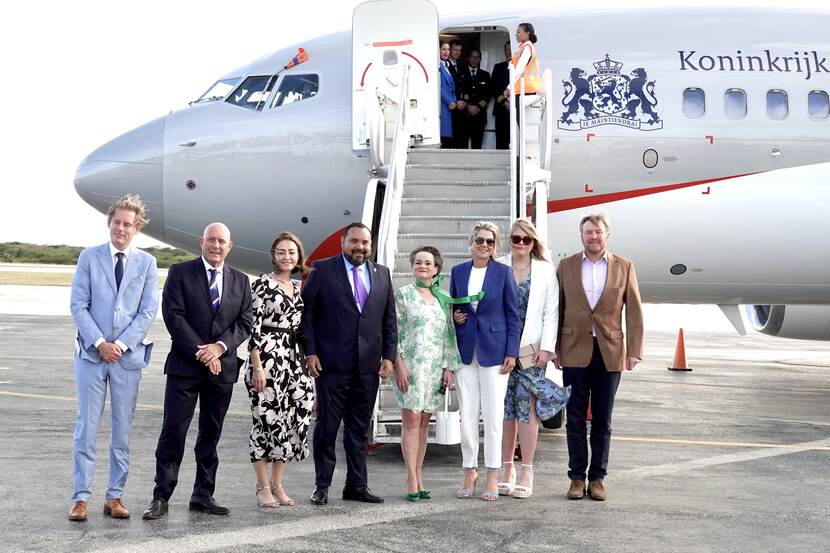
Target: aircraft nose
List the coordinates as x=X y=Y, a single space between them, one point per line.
x=129 y=164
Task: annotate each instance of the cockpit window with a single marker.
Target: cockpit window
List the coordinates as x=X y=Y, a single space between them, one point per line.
x=294 y=88
x=253 y=92
x=218 y=91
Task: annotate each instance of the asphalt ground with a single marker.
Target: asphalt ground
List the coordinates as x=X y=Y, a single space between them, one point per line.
x=732 y=456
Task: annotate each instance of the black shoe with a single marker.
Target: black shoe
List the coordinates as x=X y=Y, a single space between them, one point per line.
x=207 y=505
x=320 y=496
x=156 y=510
x=361 y=494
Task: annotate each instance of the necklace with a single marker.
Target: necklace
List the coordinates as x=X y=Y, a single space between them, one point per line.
x=280 y=280
x=522 y=268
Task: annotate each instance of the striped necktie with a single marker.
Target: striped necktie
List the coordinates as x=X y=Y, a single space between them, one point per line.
x=214 y=290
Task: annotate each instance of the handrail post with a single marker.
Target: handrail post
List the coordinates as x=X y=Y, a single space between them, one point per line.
x=513 y=144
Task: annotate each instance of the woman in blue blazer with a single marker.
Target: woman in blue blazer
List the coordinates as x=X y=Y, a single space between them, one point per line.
x=447 y=96
x=487 y=331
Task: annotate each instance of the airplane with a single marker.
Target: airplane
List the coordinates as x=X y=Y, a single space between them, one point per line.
x=701 y=132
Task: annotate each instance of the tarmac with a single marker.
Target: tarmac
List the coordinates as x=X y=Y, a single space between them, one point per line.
x=731 y=457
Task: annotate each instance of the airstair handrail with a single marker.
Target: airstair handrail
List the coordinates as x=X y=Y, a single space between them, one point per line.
x=546 y=122
x=376 y=128
x=514 y=143
x=389 y=222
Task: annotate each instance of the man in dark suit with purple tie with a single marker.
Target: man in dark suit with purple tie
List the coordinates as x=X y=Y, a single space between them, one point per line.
x=350 y=336
x=207 y=310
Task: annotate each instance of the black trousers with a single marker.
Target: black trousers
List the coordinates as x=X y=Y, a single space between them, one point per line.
x=502 y=117
x=346 y=397
x=459 y=131
x=598 y=385
x=180 y=395
x=473 y=129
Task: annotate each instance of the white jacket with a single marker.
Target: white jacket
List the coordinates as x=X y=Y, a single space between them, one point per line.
x=542 y=319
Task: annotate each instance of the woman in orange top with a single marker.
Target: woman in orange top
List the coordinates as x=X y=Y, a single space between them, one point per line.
x=525 y=64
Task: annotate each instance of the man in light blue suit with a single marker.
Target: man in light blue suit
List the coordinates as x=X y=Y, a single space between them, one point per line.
x=114 y=301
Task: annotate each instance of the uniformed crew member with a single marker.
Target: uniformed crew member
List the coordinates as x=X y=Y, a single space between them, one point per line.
x=456 y=68
x=501 y=102
x=476 y=94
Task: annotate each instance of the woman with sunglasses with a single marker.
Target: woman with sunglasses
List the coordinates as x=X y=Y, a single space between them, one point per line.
x=487 y=331
x=538 y=301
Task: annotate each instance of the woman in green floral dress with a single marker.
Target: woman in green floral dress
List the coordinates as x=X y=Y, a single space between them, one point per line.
x=427 y=358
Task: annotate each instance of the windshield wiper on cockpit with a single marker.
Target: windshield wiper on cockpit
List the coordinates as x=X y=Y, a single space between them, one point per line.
x=202 y=100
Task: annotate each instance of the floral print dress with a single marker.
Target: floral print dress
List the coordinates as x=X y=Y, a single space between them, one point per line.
x=517 y=399
x=282 y=412
x=426 y=342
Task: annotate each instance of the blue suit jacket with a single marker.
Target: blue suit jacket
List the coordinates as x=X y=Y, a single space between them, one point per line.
x=101 y=312
x=447 y=98
x=492 y=330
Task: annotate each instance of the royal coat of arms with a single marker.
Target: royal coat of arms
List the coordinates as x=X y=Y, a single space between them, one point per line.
x=609 y=98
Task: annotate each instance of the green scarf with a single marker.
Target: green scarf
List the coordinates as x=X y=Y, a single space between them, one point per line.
x=444 y=298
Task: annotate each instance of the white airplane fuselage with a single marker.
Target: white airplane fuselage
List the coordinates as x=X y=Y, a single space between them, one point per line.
x=739 y=204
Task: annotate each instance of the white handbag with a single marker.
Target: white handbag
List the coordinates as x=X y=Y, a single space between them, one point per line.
x=447 y=424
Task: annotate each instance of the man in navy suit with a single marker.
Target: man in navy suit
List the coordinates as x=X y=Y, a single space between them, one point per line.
x=501 y=104
x=350 y=334
x=114 y=302
x=207 y=309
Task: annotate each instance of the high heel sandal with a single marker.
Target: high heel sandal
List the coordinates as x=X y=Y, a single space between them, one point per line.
x=522 y=491
x=467 y=493
x=506 y=488
x=260 y=503
x=284 y=503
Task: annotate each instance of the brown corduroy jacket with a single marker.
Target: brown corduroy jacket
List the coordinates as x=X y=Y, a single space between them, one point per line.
x=577 y=319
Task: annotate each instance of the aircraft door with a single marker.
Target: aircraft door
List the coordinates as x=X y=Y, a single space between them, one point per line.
x=387 y=36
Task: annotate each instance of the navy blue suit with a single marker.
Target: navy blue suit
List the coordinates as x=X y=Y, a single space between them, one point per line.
x=492 y=330
x=350 y=345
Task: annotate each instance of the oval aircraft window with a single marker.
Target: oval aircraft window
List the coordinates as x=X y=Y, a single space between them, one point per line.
x=650 y=158
x=678 y=269
x=818 y=104
x=734 y=103
x=777 y=104
x=694 y=102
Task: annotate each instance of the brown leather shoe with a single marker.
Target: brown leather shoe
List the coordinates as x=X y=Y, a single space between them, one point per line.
x=596 y=490
x=78 y=511
x=577 y=489
x=115 y=509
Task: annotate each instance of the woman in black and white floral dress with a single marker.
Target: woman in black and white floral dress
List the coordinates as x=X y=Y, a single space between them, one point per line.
x=280 y=391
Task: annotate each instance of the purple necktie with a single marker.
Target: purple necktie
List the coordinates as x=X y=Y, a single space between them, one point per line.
x=359 y=289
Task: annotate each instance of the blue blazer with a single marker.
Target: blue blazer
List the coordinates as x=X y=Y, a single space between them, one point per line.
x=101 y=312
x=447 y=98
x=491 y=331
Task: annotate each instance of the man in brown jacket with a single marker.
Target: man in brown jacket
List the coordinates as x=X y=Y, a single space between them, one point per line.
x=594 y=286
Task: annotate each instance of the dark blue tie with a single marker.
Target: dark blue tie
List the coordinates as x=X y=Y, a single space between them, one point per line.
x=119 y=269
x=214 y=290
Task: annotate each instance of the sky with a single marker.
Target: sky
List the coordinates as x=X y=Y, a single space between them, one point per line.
x=80 y=73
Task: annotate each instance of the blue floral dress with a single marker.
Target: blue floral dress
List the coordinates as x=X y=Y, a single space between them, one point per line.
x=517 y=399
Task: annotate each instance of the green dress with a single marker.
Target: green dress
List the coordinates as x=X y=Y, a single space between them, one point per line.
x=426 y=341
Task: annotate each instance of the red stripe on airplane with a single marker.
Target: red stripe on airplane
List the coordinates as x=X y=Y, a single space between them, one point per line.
x=327 y=248
x=575 y=203
x=392 y=43
x=426 y=76
x=363 y=77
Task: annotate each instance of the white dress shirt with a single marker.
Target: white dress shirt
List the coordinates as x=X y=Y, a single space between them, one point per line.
x=220 y=281
x=594 y=275
x=113 y=252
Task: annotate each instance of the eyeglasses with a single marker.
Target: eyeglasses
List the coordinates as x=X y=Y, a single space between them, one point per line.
x=479 y=241
x=599 y=232
x=526 y=240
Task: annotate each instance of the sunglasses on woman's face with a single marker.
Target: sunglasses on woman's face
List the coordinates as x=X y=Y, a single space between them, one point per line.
x=526 y=240
x=479 y=241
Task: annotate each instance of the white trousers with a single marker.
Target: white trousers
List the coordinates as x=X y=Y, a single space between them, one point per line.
x=481 y=390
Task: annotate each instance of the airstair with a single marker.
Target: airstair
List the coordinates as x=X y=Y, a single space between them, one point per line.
x=417 y=193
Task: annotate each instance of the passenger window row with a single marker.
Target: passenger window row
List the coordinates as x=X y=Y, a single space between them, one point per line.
x=734 y=103
x=254 y=91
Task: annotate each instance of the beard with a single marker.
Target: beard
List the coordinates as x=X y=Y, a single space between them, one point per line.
x=357 y=263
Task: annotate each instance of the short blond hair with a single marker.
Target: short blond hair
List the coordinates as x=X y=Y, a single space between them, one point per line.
x=491 y=227
x=597 y=219
x=130 y=202
x=538 y=251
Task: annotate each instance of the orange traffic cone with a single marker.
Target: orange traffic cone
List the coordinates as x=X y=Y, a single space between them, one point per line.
x=680 y=354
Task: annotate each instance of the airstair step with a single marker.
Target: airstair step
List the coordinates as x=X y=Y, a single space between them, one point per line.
x=456 y=189
x=458 y=158
x=486 y=207
x=447 y=224
x=455 y=173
